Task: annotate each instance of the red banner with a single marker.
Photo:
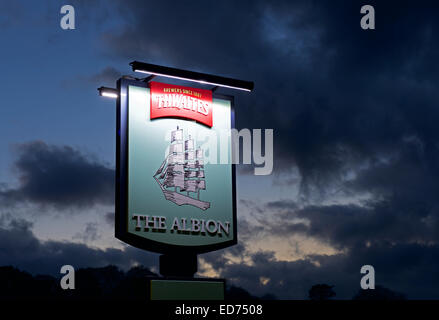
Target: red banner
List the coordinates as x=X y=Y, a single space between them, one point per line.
x=168 y=100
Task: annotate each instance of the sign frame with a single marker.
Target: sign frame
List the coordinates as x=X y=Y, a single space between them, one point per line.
x=121 y=195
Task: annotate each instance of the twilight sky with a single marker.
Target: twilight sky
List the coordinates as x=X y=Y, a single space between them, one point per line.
x=354 y=113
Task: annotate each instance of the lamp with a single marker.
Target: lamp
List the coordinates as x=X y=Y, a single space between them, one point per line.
x=108 y=92
x=191 y=76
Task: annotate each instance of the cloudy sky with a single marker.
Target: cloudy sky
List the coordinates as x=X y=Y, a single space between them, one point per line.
x=354 y=113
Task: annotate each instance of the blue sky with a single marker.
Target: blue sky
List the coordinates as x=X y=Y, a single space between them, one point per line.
x=47 y=93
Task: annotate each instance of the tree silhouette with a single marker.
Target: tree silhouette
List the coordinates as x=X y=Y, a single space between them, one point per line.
x=106 y=283
x=379 y=293
x=321 y=292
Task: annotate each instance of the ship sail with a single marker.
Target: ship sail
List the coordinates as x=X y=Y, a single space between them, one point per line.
x=175 y=180
x=177 y=147
x=182 y=172
x=177 y=135
x=176 y=158
x=189 y=155
x=191 y=185
x=191 y=165
x=190 y=174
x=189 y=144
x=176 y=168
x=202 y=184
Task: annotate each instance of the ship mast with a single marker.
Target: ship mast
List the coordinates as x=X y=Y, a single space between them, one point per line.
x=174 y=173
x=198 y=155
x=190 y=164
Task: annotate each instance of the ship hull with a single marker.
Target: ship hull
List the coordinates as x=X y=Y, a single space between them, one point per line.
x=180 y=199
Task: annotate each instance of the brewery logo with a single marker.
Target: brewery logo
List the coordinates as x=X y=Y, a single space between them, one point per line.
x=169 y=100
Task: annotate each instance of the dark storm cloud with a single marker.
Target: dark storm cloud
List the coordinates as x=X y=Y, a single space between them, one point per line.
x=109 y=218
x=60 y=176
x=407 y=268
x=334 y=93
x=410 y=173
x=394 y=228
x=20 y=248
x=394 y=220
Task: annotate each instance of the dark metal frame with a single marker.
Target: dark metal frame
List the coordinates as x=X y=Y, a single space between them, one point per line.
x=121 y=224
x=191 y=76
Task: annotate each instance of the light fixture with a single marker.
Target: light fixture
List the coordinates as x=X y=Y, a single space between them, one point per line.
x=191 y=76
x=108 y=92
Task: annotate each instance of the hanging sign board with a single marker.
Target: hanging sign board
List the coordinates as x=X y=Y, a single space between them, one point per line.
x=172 y=194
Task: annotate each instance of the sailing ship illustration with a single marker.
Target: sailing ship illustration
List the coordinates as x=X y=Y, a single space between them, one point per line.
x=181 y=174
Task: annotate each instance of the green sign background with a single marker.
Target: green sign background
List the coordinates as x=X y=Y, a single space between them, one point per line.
x=148 y=141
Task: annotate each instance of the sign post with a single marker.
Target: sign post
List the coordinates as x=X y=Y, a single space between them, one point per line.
x=175 y=180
